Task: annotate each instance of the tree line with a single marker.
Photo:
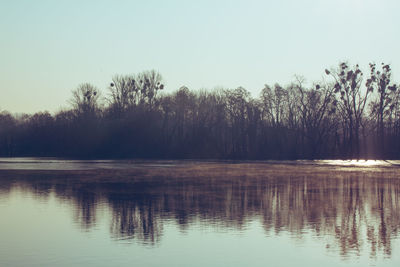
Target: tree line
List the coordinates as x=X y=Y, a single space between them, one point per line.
x=350 y=114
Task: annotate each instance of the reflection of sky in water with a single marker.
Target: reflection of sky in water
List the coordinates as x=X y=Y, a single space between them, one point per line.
x=40 y=232
x=345 y=219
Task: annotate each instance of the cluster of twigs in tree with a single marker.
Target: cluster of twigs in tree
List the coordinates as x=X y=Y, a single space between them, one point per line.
x=349 y=115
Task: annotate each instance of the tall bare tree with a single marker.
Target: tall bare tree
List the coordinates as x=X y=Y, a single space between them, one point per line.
x=316 y=106
x=384 y=103
x=85 y=100
x=129 y=91
x=353 y=99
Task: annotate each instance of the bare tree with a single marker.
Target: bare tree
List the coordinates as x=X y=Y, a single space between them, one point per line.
x=383 y=105
x=315 y=107
x=237 y=101
x=85 y=100
x=274 y=102
x=129 y=91
x=353 y=100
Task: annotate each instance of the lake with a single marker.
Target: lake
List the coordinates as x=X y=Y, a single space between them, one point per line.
x=56 y=212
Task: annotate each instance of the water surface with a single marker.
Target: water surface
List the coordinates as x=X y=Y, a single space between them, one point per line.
x=187 y=213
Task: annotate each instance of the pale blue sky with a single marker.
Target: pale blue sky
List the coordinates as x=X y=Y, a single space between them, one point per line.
x=47 y=48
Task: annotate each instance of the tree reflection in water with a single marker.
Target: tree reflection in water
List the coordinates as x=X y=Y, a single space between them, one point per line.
x=350 y=207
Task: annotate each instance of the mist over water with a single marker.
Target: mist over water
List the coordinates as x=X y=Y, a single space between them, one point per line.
x=257 y=213
x=38 y=163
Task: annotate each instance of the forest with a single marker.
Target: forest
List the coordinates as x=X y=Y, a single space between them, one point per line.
x=350 y=115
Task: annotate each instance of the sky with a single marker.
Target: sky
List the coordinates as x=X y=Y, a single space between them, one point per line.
x=48 y=48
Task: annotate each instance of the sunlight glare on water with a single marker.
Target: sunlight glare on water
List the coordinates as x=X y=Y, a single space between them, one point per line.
x=358 y=163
